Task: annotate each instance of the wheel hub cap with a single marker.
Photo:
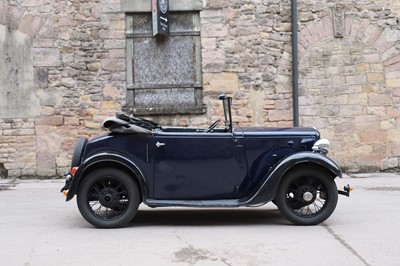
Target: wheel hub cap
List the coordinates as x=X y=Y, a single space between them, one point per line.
x=108 y=198
x=308 y=196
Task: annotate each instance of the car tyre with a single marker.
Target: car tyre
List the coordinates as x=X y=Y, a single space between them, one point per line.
x=307 y=196
x=108 y=198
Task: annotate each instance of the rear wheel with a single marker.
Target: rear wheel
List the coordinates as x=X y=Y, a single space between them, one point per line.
x=307 y=196
x=108 y=198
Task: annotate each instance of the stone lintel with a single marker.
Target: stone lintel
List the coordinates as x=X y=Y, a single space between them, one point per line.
x=174 y=5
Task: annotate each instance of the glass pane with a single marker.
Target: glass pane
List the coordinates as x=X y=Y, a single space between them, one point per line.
x=165 y=98
x=168 y=61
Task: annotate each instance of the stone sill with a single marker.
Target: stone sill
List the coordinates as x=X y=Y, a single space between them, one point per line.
x=168 y=110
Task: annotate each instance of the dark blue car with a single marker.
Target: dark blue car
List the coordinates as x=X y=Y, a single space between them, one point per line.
x=141 y=162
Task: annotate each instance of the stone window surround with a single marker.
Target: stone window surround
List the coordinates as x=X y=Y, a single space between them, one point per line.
x=144 y=6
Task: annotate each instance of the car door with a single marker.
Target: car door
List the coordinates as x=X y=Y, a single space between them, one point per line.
x=197 y=166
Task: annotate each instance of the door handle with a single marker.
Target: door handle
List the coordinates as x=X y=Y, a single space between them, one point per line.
x=159 y=144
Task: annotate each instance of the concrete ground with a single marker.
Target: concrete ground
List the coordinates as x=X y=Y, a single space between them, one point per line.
x=37 y=227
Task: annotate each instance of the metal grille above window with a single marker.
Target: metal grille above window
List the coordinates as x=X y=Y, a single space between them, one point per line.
x=164 y=73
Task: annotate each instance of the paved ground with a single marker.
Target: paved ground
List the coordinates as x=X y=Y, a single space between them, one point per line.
x=38 y=228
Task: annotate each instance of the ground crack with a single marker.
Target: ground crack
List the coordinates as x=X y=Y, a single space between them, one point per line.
x=344 y=243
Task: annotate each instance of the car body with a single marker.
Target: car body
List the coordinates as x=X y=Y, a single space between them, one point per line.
x=194 y=167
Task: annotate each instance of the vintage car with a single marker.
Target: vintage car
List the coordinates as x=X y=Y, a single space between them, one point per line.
x=139 y=161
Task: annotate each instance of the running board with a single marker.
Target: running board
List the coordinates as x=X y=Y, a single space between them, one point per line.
x=228 y=203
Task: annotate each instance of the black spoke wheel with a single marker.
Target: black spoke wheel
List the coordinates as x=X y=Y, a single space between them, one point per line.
x=307 y=196
x=108 y=198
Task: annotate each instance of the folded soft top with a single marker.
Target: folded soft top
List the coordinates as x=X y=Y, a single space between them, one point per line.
x=128 y=124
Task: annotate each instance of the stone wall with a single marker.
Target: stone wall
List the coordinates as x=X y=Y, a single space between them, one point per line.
x=349 y=75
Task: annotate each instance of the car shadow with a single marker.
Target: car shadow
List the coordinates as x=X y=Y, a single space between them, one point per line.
x=207 y=217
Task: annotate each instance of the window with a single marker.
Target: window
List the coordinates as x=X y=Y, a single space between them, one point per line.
x=164 y=73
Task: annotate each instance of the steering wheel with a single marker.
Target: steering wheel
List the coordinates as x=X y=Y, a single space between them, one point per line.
x=213 y=125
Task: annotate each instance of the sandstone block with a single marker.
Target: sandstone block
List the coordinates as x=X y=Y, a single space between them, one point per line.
x=280 y=115
x=367 y=122
x=110 y=105
x=392 y=60
x=350 y=110
x=363 y=67
x=47 y=29
x=217 y=4
x=392 y=68
x=371 y=136
x=50 y=121
x=344 y=128
x=111 y=7
x=117 y=25
x=208 y=43
x=395 y=148
x=379 y=99
x=116 y=53
x=8 y=139
x=113 y=65
x=356 y=80
x=393 y=82
x=30 y=24
x=393 y=135
x=114 y=44
x=220 y=82
x=214 y=30
x=375 y=77
x=95 y=66
x=213 y=60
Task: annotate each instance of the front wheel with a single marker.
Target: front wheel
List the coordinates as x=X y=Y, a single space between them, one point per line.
x=108 y=198
x=307 y=196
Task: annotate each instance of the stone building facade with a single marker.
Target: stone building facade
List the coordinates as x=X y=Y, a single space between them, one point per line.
x=65 y=65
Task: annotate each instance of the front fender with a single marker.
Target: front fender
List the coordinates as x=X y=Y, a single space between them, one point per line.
x=270 y=185
x=101 y=159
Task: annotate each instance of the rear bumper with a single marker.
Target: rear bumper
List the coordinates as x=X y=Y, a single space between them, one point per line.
x=346 y=190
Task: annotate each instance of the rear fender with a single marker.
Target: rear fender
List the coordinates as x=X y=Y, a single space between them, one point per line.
x=101 y=160
x=271 y=182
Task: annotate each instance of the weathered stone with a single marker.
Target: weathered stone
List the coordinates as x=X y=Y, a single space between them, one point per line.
x=46 y=164
x=111 y=92
x=375 y=77
x=93 y=66
x=13 y=17
x=214 y=61
x=40 y=77
x=214 y=30
x=46 y=57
